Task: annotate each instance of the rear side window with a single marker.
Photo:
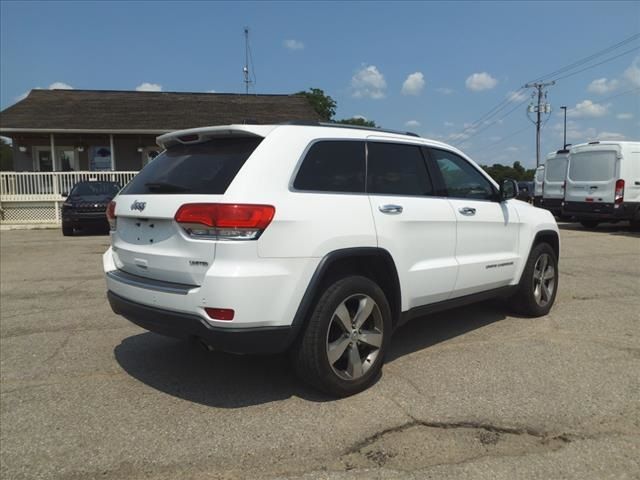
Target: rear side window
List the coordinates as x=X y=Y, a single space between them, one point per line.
x=333 y=166
x=397 y=169
x=461 y=179
x=201 y=168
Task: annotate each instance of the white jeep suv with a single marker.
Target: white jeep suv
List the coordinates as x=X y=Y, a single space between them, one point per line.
x=319 y=240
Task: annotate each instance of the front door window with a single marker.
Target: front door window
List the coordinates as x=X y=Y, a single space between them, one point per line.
x=45 y=162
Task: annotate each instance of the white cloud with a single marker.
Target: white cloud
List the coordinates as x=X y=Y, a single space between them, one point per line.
x=632 y=74
x=149 y=87
x=495 y=138
x=414 y=84
x=22 y=96
x=412 y=123
x=512 y=149
x=588 y=109
x=602 y=86
x=210 y=91
x=518 y=96
x=610 y=136
x=624 y=116
x=293 y=45
x=576 y=134
x=444 y=90
x=448 y=124
x=60 y=86
x=369 y=82
x=480 y=81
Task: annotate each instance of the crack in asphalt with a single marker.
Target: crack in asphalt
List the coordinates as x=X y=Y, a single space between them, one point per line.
x=543 y=436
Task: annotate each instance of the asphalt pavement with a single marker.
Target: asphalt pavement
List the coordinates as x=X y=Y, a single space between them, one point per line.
x=470 y=393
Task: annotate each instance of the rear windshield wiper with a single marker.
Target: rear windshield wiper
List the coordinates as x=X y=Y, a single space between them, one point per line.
x=165 y=187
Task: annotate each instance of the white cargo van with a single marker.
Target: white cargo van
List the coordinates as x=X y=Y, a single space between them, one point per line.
x=555 y=175
x=603 y=183
x=537 y=186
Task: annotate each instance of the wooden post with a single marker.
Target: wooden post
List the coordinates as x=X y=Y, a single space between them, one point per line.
x=113 y=152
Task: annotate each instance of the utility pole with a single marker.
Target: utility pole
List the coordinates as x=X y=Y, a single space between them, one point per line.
x=245 y=69
x=539 y=109
x=564 y=143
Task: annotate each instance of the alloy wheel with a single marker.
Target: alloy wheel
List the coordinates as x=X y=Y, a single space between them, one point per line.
x=544 y=280
x=354 y=337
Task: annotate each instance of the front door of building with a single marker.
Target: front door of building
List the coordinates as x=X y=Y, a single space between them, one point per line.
x=45 y=162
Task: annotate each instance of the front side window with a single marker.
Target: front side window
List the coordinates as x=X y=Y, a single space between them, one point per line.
x=333 y=166
x=461 y=179
x=397 y=169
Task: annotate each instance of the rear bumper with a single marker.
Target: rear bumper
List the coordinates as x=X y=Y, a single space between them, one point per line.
x=601 y=211
x=185 y=326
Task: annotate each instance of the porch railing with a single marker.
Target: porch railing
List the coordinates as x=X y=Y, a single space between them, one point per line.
x=49 y=186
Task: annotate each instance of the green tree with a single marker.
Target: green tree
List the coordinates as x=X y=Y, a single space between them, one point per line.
x=517 y=172
x=6 y=155
x=361 y=122
x=323 y=104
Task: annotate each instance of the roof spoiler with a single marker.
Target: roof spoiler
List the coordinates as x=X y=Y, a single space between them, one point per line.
x=202 y=134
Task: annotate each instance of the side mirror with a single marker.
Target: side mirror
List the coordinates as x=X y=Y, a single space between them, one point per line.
x=508 y=189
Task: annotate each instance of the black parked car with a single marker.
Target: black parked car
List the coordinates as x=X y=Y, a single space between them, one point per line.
x=86 y=206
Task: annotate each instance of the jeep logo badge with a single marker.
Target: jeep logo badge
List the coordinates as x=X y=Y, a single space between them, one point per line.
x=136 y=205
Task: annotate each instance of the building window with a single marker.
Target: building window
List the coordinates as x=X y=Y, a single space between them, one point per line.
x=100 y=158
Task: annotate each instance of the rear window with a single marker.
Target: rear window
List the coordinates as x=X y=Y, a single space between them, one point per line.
x=592 y=166
x=555 y=169
x=202 y=168
x=333 y=166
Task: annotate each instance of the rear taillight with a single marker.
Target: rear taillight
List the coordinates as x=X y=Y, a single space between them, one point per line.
x=619 y=196
x=224 y=221
x=111 y=215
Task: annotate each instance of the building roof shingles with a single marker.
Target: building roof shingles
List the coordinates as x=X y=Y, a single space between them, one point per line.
x=153 y=111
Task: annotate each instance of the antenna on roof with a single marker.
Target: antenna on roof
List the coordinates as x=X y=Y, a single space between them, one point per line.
x=245 y=69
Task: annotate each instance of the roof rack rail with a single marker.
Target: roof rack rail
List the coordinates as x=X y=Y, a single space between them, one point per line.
x=342 y=125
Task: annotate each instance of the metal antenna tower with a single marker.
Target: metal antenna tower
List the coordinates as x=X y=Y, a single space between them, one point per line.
x=245 y=69
x=539 y=109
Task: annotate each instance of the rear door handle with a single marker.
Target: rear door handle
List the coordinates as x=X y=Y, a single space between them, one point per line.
x=468 y=211
x=390 y=209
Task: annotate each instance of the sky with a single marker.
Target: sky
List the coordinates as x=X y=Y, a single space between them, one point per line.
x=429 y=67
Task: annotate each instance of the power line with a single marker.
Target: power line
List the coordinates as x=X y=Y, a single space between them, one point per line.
x=489 y=125
x=504 y=103
x=504 y=139
x=588 y=58
x=597 y=64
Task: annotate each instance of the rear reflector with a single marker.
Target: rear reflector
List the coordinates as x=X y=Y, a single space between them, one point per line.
x=619 y=196
x=225 y=221
x=111 y=214
x=220 y=313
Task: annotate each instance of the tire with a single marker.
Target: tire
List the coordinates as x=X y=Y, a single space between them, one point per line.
x=531 y=299
x=355 y=364
x=67 y=230
x=589 y=223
